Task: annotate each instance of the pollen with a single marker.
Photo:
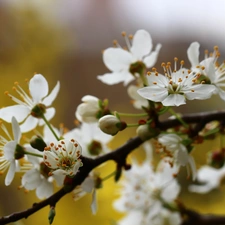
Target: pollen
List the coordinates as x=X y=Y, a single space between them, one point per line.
x=192 y=90
x=154 y=82
x=123 y=34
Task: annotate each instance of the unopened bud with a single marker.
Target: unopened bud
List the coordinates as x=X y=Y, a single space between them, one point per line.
x=111 y=124
x=88 y=110
x=51 y=215
x=38 y=143
x=217 y=158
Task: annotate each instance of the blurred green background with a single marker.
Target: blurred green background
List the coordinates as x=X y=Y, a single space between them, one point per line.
x=63 y=41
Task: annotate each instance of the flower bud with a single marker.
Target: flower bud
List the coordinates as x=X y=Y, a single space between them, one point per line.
x=51 y=214
x=143 y=132
x=38 y=143
x=111 y=124
x=216 y=159
x=146 y=132
x=88 y=110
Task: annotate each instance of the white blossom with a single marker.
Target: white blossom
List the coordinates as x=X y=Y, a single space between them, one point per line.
x=137 y=100
x=210 y=178
x=89 y=185
x=38 y=177
x=87 y=111
x=209 y=67
x=63 y=157
x=7 y=151
x=120 y=61
x=24 y=111
x=145 y=191
x=164 y=217
x=94 y=142
x=175 y=87
x=173 y=147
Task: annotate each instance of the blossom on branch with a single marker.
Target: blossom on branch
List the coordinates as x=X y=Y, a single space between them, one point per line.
x=10 y=151
x=63 y=157
x=39 y=177
x=110 y=124
x=127 y=64
x=176 y=152
x=210 y=70
x=32 y=106
x=145 y=192
x=175 y=87
x=209 y=178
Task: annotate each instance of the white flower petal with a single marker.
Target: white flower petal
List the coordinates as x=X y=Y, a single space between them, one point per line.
x=38 y=87
x=29 y=124
x=142 y=44
x=200 y=91
x=150 y=60
x=31 y=179
x=88 y=184
x=153 y=93
x=9 y=150
x=116 y=77
x=117 y=59
x=16 y=129
x=94 y=206
x=20 y=112
x=193 y=54
x=51 y=97
x=11 y=173
x=44 y=190
x=182 y=155
x=174 y=100
x=59 y=178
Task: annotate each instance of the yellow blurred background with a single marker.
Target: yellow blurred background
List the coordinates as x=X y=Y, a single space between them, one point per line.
x=63 y=40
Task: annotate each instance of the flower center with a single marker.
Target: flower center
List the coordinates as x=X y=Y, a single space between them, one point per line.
x=38 y=110
x=137 y=67
x=94 y=147
x=66 y=163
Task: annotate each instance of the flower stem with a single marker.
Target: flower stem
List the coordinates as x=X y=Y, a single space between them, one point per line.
x=178 y=117
x=108 y=176
x=132 y=115
x=50 y=127
x=33 y=154
x=133 y=125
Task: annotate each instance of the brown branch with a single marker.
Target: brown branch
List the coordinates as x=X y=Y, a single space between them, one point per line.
x=119 y=156
x=194 y=218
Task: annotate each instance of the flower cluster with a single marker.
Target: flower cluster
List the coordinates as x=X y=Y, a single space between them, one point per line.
x=67 y=157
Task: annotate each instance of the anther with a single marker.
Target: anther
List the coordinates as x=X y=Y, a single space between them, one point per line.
x=124 y=34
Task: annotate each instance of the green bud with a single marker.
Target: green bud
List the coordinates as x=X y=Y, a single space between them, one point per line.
x=38 y=143
x=51 y=215
x=118 y=174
